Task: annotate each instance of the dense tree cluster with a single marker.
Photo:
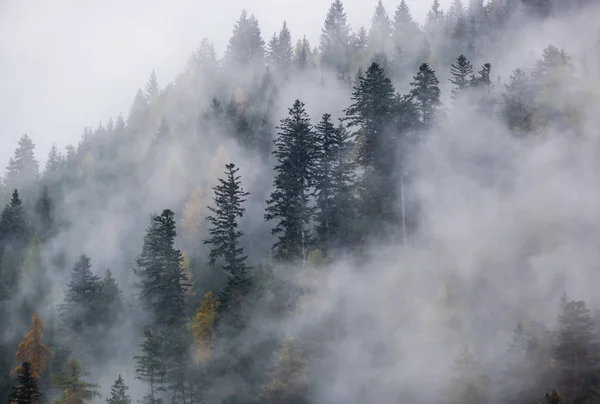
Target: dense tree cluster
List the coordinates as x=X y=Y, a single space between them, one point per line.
x=337 y=184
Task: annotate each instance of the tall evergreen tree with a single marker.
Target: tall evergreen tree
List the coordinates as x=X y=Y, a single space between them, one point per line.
x=23 y=169
x=519 y=102
x=162 y=278
x=289 y=203
x=225 y=234
x=335 y=40
x=578 y=370
x=28 y=390
x=152 y=89
x=426 y=95
x=44 y=214
x=334 y=181
x=246 y=46
x=150 y=367
x=460 y=75
x=379 y=34
x=118 y=393
x=280 y=51
x=14 y=234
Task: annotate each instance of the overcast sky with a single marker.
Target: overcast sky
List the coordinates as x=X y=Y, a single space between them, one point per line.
x=66 y=64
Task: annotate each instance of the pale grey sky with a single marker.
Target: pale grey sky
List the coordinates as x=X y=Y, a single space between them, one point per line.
x=66 y=64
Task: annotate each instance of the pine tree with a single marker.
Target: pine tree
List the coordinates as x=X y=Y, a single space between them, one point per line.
x=150 y=367
x=23 y=169
x=118 y=393
x=334 y=180
x=225 y=234
x=82 y=297
x=28 y=390
x=426 y=95
x=75 y=390
x=289 y=203
x=246 y=46
x=335 y=40
x=372 y=111
x=162 y=279
x=578 y=370
x=152 y=89
x=460 y=75
x=289 y=380
x=44 y=214
x=379 y=34
x=32 y=349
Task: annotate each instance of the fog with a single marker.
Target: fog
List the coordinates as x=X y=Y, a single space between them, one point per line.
x=71 y=64
x=507 y=223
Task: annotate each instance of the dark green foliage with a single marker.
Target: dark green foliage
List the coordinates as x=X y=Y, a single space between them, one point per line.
x=162 y=278
x=576 y=353
x=27 y=389
x=118 y=393
x=82 y=297
x=14 y=235
x=334 y=183
x=44 y=214
x=460 y=75
x=225 y=234
x=111 y=300
x=426 y=95
x=150 y=367
x=289 y=203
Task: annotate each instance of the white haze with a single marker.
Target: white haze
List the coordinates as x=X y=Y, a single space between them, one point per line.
x=513 y=222
x=68 y=64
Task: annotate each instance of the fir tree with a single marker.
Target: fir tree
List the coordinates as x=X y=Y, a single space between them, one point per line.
x=14 y=235
x=246 y=46
x=426 y=95
x=152 y=89
x=335 y=40
x=44 y=214
x=334 y=180
x=280 y=51
x=162 y=279
x=28 y=390
x=518 y=102
x=75 y=390
x=111 y=300
x=54 y=162
x=435 y=20
x=225 y=234
x=289 y=203
x=23 y=169
x=575 y=352
x=118 y=393
x=150 y=367
x=379 y=34
x=460 y=75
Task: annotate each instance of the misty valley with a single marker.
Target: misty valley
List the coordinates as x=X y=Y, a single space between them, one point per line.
x=407 y=212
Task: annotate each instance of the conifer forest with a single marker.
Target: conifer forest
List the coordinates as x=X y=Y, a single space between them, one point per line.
x=407 y=212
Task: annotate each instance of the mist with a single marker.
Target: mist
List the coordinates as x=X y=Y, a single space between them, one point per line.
x=495 y=214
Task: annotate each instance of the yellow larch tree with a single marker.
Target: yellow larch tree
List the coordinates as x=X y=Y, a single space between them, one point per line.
x=193 y=213
x=32 y=348
x=202 y=326
x=289 y=378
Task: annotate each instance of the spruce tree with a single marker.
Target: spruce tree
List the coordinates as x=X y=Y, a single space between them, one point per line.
x=289 y=203
x=118 y=393
x=335 y=40
x=44 y=214
x=150 y=367
x=152 y=89
x=372 y=112
x=334 y=181
x=460 y=75
x=379 y=34
x=280 y=51
x=14 y=235
x=426 y=95
x=578 y=365
x=54 y=163
x=162 y=279
x=246 y=46
x=110 y=300
x=225 y=234
x=28 y=390
x=518 y=100
x=23 y=169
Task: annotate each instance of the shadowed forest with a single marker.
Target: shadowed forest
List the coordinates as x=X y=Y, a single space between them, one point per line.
x=406 y=212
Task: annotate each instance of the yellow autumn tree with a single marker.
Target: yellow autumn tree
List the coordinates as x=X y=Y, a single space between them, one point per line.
x=202 y=326
x=32 y=348
x=193 y=214
x=289 y=379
